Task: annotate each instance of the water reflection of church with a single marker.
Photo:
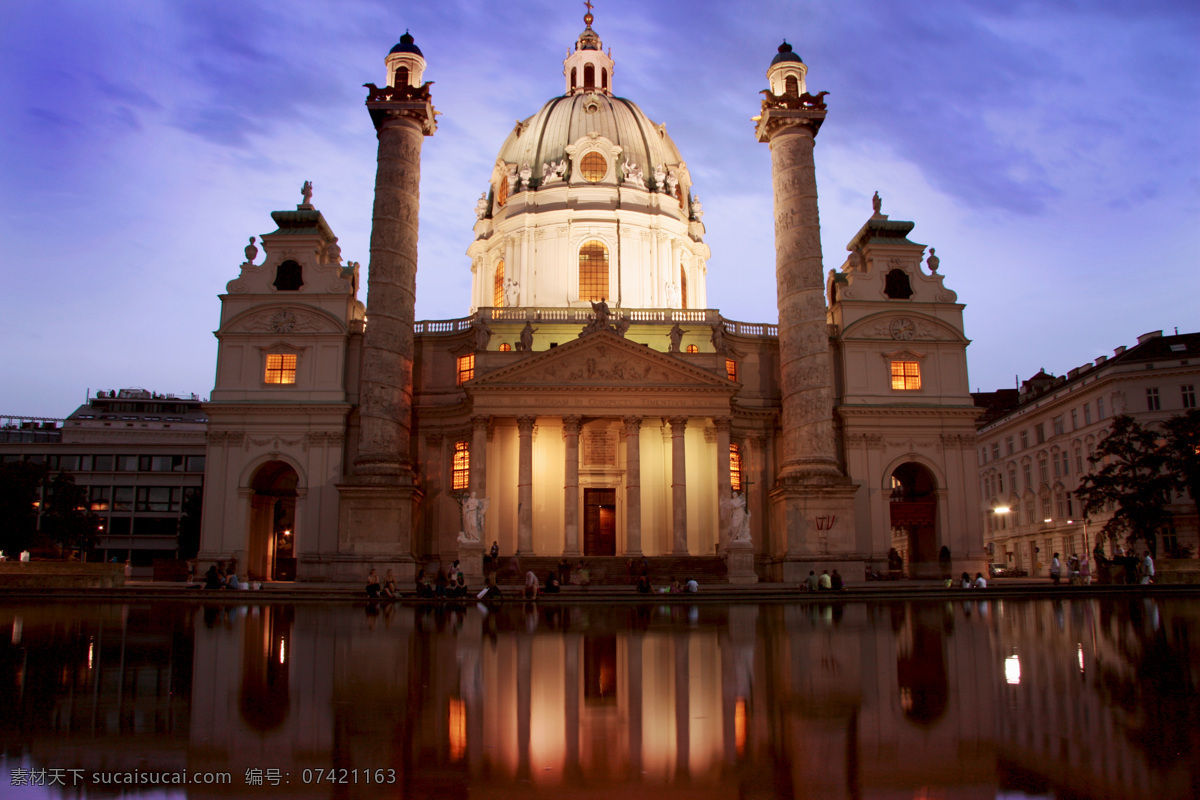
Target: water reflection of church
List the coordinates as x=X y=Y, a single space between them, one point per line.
x=594 y=396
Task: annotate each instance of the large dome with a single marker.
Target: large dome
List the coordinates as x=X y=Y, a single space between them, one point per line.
x=545 y=136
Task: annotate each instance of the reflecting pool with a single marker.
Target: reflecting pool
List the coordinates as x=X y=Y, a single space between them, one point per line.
x=1080 y=698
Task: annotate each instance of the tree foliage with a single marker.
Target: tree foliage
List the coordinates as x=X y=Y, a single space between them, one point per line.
x=1182 y=450
x=19 y=492
x=1133 y=480
x=67 y=519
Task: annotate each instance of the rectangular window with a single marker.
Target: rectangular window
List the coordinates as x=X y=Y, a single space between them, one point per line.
x=1027 y=473
x=906 y=375
x=1057 y=468
x=1000 y=482
x=281 y=368
x=995 y=450
x=1189 y=395
x=1078 y=460
x=1043 y=471
x=1099 y=408
x=127 y=464
x=1066 y=463
x=466 y=368
x=1039 y=432
x=1087 y=413
x=1024 y=439
x=100 y=497
x=1074 y=419
x=123 y=498
x=731 y=369
x=461 y=467
x=102 y=463
x=158 y=498
x=1060 y=505
x=1058 y=425
x=1030 y=511
x=735 y=467
x=1012 y=479
x=1152 y=401
x=1008 y=444
x=195 y=464
x=1045 y=507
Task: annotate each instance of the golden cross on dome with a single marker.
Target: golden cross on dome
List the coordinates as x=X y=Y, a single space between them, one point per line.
x=588 y=3
x=587 y=18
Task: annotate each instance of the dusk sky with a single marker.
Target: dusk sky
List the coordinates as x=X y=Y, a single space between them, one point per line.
x=1049 y=150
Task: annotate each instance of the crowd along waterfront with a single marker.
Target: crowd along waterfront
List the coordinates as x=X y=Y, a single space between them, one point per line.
x=957 y=698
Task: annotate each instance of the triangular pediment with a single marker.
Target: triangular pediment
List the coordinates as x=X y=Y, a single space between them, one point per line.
x=601 y=360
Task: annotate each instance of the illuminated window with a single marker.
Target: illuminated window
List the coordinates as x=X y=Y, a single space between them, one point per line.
x=1189 y=395
x=501 y=192
x=735 y=467
x=906 y=375
x=691 y=348
x=498 y=286
x=466 y=368
x=683 y=287
x=281 y=368
x=506 y=347
x=731 y=369
x=461 y=470
x=594 y=167
x=593 y=271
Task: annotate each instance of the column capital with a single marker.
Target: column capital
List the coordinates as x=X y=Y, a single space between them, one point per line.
x=678 y=422
x=805 y=119
x=631 y=426
x=722 y=423
x=401 y=103
x=571 y=425
x=525 y=425
x=478 y=420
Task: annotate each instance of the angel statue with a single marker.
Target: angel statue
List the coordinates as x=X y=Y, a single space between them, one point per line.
x=739 y=518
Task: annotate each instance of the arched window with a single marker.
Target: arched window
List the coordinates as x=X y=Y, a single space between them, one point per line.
x=593 y=166
x=289 y=277
x=791 y=85
x=589 y=76
x=735 y=467
x=691 y=348
x=603 y=79
x=505 y=347
x=593 y=271
x=682 y=287
x=498 y=286
x=401 y=77
x=573 y=82
x=501 y=192
x=897 y=286
x=461 y=469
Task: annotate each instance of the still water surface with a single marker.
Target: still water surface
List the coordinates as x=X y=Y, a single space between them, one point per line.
x=1081 y=698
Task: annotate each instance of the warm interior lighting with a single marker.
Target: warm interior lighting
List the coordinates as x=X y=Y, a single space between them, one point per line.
x=281 y=368
x=461 y=469
x=457 y=725
x=906 y=375
x=739 y=725
x=593 y=166
x=593 y=271
x=466 y=368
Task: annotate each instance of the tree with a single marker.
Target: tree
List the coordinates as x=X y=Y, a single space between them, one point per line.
x=1182 y=450
x=189 y=523
x=19 y=493
x=67 y=518
x=1132 y=481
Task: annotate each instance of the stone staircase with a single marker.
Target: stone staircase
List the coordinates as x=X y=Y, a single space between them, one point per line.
x=614 y=570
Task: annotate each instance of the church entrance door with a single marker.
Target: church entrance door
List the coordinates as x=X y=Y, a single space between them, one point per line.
x=600 y=522
x=913 y=509
x=270 y=552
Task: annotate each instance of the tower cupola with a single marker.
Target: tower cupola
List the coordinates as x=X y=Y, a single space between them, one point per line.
x=588 y=68
x=787 y=72
x=405 y=63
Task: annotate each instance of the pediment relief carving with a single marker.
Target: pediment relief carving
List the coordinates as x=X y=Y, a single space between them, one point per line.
x=284 y=320
x=602 y=359
x=902 y=327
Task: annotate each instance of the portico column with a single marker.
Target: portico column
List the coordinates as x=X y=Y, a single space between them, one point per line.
x=571 y=486
x=724 y=485
x=678 y=486
x=478 y=476
x=525 y=486
x=633 y=485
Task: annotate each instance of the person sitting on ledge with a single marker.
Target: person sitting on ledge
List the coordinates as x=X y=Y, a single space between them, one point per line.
x=824 y=583
x=980 y=581
x=691 y=586
x=966 y=580
x=552 y=583
x=811 y=583
x=836 y=581
x=643 y=584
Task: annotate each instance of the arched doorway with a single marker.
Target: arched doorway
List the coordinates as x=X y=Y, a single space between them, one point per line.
x=270 y=555
x=913 y=510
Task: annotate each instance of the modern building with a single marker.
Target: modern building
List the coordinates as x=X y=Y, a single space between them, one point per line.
x=1035 y=442
x=591 y=403
x=139 y=455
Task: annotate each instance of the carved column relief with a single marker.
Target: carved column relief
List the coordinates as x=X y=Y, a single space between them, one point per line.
x=724 y=482
x=571 y=487
x=806 y=372
x=678 y=486
x=632 y=428
x=525 y=486
x=479 y=437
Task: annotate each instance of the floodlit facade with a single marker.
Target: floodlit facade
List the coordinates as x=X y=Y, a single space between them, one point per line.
x=591 y=404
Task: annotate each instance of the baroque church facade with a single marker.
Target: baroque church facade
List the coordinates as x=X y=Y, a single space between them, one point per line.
x=591 y=404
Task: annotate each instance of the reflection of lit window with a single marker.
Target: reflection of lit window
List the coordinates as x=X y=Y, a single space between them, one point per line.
x=735 y=467
x=593 y=166
x=906 y=375
x=457 y=728
x=281 y=368
x=462 y=466
x=466 y=368
x=1080 y=650
x=1012 y=670
x=739 y=725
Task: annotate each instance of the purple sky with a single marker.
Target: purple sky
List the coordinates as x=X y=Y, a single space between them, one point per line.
x=1049 y=150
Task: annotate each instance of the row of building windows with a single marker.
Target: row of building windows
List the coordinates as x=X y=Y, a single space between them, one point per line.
x=110 y=463
x=136 y=498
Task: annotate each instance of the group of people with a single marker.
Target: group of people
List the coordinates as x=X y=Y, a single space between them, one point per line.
x=979 y=582
x=378 y=591
x=223 y=575
x=645 y=586
x=446 y=585
x=823 y=582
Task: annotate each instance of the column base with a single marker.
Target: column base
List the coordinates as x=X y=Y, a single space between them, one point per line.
x=376 y=520
x=816 y=515
x=470 y=561
x=739 y=563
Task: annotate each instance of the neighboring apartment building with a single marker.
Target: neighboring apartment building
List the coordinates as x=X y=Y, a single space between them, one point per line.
x=139 y=455
x=1034 y=445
